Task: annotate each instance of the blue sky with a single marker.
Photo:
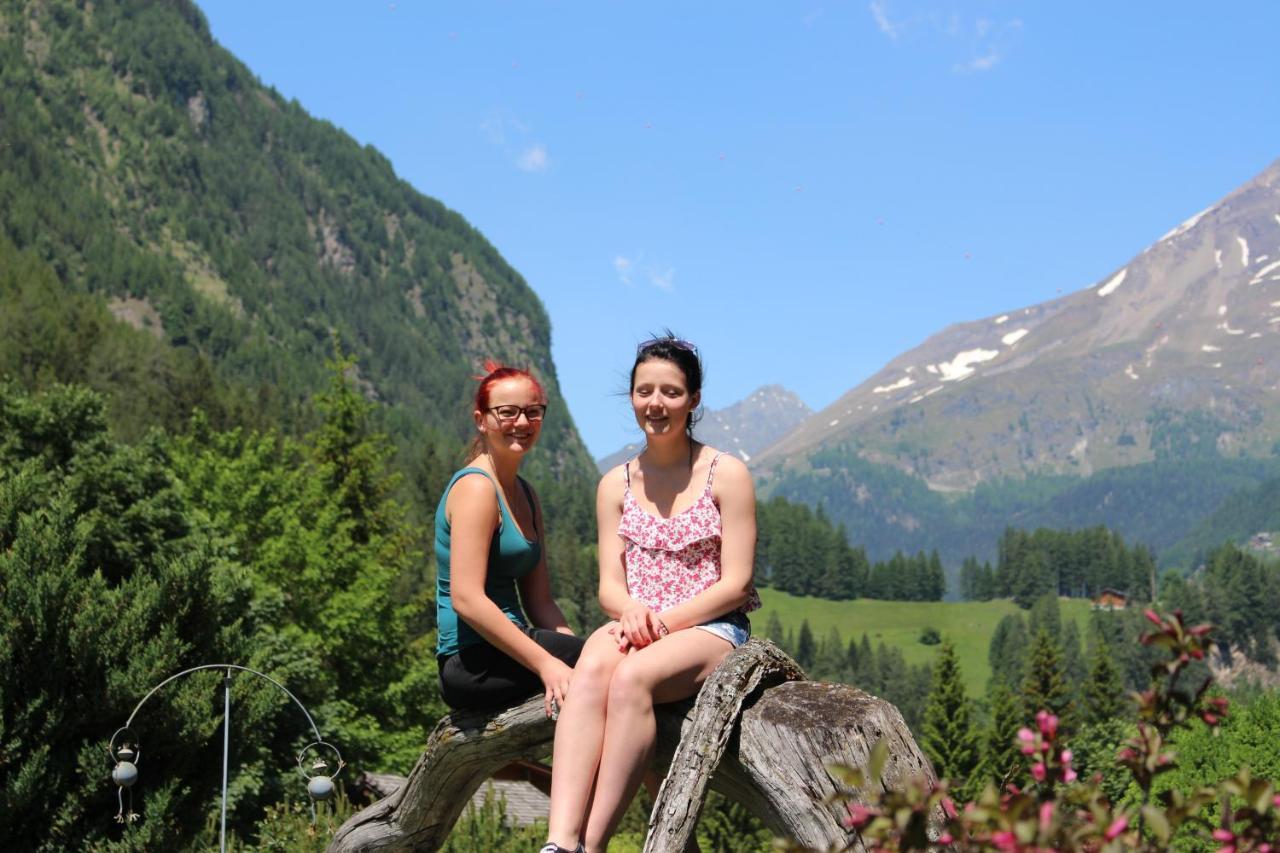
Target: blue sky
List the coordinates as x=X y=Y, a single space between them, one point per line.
x=803 y=189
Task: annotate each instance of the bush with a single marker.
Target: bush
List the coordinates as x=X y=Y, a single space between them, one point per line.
x=930 y=636
x=1058 y=811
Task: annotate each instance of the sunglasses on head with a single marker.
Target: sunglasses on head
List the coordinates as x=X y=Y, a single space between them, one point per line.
x=678 y=343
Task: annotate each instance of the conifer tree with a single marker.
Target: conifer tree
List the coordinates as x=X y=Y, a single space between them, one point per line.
x=1007 y=651
x=1073 y=666
x=1043 y=686
x=806 y=648
x=773 y=628
x=828 y=664
x=947 y=735
x=1104 y=697
x=1002 y=760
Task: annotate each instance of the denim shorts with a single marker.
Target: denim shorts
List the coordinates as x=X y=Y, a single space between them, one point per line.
x=733 y=626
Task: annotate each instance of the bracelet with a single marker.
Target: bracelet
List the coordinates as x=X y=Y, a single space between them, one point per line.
x=663 y=630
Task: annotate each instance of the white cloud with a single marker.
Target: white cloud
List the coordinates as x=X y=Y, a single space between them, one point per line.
x=493 y=128
x=534 y=159
x=622 y=266
x=881 y=16
x=663 y=279
x=985 y=62
x=635 y=266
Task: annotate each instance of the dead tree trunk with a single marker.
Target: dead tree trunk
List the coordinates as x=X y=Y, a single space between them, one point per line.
x=755 y=733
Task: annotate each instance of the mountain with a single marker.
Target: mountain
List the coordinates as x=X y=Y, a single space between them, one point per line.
x=746 y=427
x=1142 y=402
x=151 y=175
x=1172 y=352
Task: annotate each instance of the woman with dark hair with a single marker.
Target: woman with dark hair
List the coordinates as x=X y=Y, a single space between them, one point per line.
x=677 y=534
x=490 y=558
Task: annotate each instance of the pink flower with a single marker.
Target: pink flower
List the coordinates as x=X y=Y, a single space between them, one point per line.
x=1028 y=739
x=948 y=807
x=1046 y=815
x=1048 y=724
x=1069 y=775
x=946 y=838
x=1223 y=835
x=1004 y=840
x=1118 y=826
x=859 y=815
x=1153 y=617
x=1066 y=756
x=1038 y=771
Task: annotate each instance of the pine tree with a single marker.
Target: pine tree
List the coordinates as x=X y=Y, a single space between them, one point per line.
x=828 y=664
x=1007 y=651
x=1104 y=697
x=1045 y=613
x=1073 y=665
x=1043 y=686
x=1002 y=760
x=806 y=648
x=773 y=628
x=947 y=734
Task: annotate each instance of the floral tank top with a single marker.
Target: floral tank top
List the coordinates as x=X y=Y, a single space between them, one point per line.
x=670 y=560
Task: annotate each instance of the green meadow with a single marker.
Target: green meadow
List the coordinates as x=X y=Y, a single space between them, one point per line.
x=967 y=624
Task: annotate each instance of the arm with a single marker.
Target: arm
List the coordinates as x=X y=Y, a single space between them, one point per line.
x=535 y=587
x=473 y=515
x=736 y=496
x=637 y=625
x=613 y=594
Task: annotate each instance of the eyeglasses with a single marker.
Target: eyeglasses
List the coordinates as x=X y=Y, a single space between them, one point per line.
x=510 y=413
x=678 y=343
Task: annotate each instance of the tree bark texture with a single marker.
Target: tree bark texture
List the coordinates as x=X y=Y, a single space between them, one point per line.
x=755 y=733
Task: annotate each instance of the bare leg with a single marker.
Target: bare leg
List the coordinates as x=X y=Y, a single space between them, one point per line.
x=670 y=669
x=579 y=736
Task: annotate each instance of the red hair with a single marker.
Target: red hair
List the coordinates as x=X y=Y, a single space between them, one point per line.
x=493 y=374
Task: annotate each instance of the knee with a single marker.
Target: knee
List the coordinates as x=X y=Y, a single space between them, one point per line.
x=629 y=686
x=594 y=668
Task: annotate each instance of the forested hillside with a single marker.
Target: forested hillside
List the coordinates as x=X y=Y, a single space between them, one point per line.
x=157 y=178
x=236 y=360
x=1156 y=504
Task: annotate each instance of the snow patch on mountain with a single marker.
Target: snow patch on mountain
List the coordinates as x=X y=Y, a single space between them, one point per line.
x=1262 y=273
x=1244 y=251
x=1187 y=225
x=1003 y=318
x=962 y=366
x=1116 y=280
x=900 y=384
x=1013 y=337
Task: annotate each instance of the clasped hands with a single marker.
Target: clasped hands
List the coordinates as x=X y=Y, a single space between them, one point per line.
x=637 y=627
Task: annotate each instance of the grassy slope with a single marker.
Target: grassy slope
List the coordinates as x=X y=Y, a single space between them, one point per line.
x=969 y=625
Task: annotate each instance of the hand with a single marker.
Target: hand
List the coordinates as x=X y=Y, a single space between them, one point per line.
x=555 y=675
x=638 y=625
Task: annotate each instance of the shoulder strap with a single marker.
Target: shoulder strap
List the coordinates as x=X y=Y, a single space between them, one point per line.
x=471 y=469
x=533 y=505
x=711 y=472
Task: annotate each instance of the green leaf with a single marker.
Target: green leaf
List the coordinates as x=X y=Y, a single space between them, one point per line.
x=1157 y=822
x=875 y=762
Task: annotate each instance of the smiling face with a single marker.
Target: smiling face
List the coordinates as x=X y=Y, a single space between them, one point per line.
x=510 y=435
x=660 y=398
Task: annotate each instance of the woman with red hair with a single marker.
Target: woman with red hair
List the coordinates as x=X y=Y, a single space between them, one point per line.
x=491 y=558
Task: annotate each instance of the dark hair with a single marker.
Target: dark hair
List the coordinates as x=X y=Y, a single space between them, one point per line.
x=681 y=353
x=495 y=373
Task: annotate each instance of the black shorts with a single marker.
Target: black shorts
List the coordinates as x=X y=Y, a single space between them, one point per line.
x=483 y=677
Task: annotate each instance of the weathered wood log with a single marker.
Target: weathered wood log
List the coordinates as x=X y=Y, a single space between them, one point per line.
x=754 y=733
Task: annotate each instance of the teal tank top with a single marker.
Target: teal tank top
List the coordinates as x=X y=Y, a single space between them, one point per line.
x=511 y=556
